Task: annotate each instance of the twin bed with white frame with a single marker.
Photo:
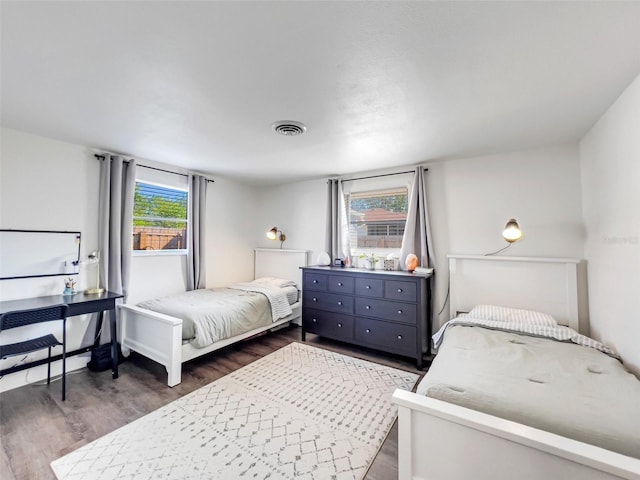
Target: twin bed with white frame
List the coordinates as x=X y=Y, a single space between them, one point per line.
x=438 y=440
x=159 y=337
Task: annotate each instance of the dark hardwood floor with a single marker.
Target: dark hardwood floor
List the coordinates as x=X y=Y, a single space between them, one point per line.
x=36 y=427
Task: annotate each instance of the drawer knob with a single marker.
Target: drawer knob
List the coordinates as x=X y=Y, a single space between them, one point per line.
x=368 y=287
x=340 y=303
x=314 y=320
x=368 y=330
x=339 y=284
x=399 y=312
x=399 y=290
x=339 y=325
x=367 y=307
x=315 y=299
x=399 y=337
x=315 y=281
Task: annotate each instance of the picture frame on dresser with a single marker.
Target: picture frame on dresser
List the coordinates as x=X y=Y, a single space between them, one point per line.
x=383 y=310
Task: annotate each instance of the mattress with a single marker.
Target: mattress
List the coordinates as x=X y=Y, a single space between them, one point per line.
x=211 y=315
x=568 y=389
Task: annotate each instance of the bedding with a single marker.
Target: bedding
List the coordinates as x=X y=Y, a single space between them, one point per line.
x=524 y=326
x=506 y=314
x=280 y=307
x=559 y=386
x=289 y=287
x=210 y=315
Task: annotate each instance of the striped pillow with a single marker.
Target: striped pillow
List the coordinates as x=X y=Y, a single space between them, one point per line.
x=506 y=314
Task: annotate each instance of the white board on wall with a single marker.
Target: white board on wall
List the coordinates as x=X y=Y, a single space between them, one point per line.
x=38 y=253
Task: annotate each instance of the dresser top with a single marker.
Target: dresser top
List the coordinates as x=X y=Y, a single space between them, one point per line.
x=360 y=271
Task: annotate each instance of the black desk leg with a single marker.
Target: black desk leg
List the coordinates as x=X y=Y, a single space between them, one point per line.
x=114 y=344
x=96 y=338
x=64 y=359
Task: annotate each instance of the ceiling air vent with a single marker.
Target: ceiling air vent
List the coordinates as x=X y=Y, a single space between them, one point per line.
x=289 y=128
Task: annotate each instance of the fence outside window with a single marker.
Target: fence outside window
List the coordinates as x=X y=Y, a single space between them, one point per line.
x=159 y=217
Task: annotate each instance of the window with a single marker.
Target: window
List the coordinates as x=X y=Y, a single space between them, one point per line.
x=377 y=219
x=159 y=218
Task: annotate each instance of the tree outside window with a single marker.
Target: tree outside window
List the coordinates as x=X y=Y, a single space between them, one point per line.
x=159 y=217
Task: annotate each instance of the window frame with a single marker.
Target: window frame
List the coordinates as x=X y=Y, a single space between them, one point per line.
x=162 y=252
x=381 y=252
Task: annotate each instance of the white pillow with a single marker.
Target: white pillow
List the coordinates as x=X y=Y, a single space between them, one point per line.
x=506 y=314
x=273 y=282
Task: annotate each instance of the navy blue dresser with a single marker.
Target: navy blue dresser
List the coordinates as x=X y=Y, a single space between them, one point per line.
x=378 y=309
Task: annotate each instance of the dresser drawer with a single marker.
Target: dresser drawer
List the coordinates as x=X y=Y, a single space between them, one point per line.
x=404 y=291
x=341 y=284
x=326 y=324
x=315 y=281
x=333 y=302
x=370 y=287
x=392 y=311
x=391 y=337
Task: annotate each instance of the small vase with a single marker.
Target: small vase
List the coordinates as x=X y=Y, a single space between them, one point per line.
x=370 y=265
x=324 y=259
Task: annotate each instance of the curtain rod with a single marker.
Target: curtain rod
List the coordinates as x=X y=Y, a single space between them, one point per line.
x=382 y=175
x=102 y=157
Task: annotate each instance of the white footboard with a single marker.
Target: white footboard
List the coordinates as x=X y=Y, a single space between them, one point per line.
x=159 y=337
x=442 y=441
x=156 y=336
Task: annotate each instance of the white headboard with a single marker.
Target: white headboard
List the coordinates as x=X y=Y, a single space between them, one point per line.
x=547 y=285
x=281 y=263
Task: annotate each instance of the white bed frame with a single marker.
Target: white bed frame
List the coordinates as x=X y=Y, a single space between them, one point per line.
x=441 y=441
x=159 y=337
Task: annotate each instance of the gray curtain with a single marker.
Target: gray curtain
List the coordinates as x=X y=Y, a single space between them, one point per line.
x=196 y=232
x=417 y=231
x=337 y=239
x=115 y=229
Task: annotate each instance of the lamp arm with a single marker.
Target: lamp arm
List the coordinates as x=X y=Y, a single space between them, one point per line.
x=498 y=251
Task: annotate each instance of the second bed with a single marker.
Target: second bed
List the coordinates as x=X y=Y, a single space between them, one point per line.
x=174 y=329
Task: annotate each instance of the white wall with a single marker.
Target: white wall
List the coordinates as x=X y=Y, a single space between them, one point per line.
x=46 y=185
x=232 y=210
x=299 y=210
x=474 y=198
x=470 y=200
x=50 y=185
x=610 y=165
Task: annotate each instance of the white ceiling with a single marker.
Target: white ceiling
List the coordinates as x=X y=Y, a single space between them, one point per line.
x=378 y=84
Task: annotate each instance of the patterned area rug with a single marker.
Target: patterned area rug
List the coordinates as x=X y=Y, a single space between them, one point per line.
x=300 y=412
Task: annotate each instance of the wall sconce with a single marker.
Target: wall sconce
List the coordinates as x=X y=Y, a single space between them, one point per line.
x=512 y=232
x=275 y=234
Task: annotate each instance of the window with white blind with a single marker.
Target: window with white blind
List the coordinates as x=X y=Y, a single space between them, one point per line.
x=159 y=218
x=377 y=219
